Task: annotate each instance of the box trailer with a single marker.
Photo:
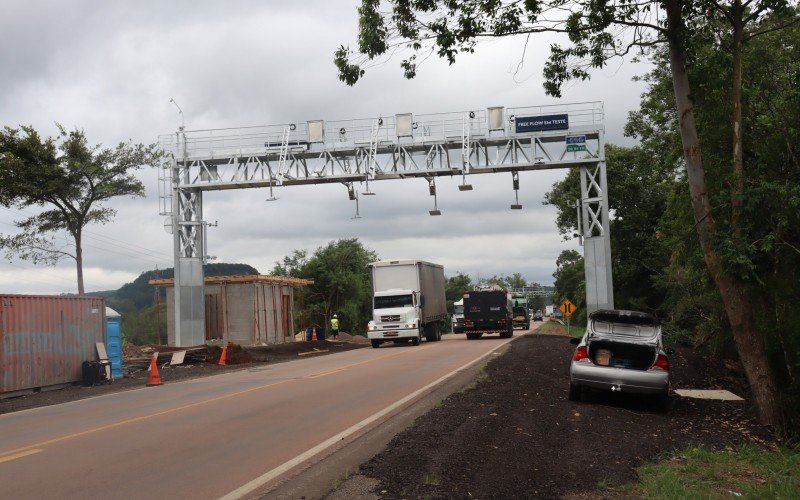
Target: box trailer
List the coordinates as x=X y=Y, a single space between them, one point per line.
x=486 y=312
x=408 y=301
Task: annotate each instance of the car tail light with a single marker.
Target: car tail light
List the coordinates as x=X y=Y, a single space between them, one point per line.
x=662 y=363
x=580 y=353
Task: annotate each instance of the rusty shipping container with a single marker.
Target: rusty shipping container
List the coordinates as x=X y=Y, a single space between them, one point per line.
x=44 y=339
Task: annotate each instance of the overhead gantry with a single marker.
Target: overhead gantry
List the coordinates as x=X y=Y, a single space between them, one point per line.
x=363 y=151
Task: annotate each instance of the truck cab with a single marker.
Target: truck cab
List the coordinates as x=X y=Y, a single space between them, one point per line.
x=458 y=316
x=395 y=315
x=408 y=302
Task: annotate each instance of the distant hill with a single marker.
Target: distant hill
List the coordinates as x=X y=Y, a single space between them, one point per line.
x=138 y=294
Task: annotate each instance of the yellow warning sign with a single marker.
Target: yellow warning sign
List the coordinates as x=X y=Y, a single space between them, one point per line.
x=567 y=307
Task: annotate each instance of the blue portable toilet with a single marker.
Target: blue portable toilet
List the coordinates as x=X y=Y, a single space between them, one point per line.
x=114 y=341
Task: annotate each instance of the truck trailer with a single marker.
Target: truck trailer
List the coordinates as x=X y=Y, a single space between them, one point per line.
x=408 y=302
x=486 y=312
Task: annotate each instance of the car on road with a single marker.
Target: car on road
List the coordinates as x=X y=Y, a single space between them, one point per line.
x=621 y=351
x=537 y=316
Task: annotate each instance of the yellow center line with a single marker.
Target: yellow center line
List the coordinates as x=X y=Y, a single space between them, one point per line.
x=27 y=450
x=21 y=454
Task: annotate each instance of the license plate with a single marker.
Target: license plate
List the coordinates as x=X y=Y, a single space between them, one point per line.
x=390 y=334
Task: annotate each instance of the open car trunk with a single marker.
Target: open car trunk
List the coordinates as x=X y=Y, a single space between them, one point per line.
x=622 y=355
x=625 y=339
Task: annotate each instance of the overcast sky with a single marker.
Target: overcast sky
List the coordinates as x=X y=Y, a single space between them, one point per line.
x=110 y=68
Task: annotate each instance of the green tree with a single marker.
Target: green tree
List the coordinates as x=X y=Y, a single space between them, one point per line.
x=455 y=287
x=570 y=283
x=516 y=281
x=291 y=265
x=139 y=327
x=71 y=179
x=639 y=184
x=598 y=32
x=342 y=283
x=769 y=262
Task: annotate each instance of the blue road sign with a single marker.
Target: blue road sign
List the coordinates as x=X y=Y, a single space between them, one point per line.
x=541 y=123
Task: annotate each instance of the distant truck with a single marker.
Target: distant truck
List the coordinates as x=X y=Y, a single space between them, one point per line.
x=522 y=318
x=458 y=316
x=486 y=312
x=548 y=310
x=408 y=302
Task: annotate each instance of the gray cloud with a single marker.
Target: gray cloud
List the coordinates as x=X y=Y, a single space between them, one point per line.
x=110 y=68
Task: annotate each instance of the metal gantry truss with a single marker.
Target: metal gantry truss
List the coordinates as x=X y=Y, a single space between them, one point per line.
x=377 y=149
x=530 y=291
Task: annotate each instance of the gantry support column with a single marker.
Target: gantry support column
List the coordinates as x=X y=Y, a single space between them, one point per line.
x=189 y=252
x=596 y=236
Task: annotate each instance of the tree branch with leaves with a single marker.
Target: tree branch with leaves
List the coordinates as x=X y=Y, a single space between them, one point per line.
x=70 y=179
x=598 y=31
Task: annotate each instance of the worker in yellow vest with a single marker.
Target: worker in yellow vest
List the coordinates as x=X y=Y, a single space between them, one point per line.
x=335 y=327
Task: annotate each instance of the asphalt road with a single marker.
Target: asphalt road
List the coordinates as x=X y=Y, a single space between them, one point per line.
x=227 y=435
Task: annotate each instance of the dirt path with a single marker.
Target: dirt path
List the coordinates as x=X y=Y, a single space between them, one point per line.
x=515 y=435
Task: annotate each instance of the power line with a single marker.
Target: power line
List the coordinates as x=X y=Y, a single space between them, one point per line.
x=29 y=270
x=109 y=241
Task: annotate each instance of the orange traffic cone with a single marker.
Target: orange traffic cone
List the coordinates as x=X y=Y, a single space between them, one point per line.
x=223 y=358
x=313 y=334
x=154 y=378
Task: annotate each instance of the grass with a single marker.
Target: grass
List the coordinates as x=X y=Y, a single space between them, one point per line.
x=481 y=377
x=432 y=480
x=750 y=472
x=553 y=327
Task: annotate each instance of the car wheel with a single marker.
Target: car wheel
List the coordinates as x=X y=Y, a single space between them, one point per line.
x=376 y=343
x=574 y=392
x=416 y=340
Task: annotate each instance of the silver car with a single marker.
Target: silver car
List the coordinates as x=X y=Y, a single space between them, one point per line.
x=621 y=351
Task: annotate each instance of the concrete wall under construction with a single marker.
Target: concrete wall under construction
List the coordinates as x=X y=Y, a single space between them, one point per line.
x=255 y=311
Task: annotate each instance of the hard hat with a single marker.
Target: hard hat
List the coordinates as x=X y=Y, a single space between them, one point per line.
x=334 y=316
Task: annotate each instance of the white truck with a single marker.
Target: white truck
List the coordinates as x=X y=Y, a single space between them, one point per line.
x=458 y=316
x=408 y=301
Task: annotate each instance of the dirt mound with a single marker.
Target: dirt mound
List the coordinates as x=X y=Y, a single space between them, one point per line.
x=516 y=435
x=353 y=339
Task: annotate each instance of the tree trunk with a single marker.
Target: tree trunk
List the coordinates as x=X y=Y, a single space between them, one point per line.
x=737 y=187
x=734 y=295
x=79 y=261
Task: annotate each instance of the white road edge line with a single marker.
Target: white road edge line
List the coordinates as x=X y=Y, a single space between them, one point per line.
x=277 y=471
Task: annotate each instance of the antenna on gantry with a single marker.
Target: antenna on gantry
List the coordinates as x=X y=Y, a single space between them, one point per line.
x=183 y=123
